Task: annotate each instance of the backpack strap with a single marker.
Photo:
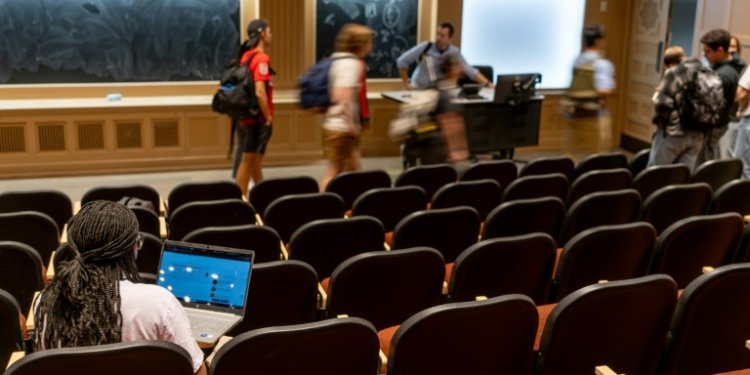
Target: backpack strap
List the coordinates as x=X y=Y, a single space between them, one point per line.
x=424 y=51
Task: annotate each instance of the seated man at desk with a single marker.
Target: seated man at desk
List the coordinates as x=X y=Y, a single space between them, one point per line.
x=429 y=56
x=96 y=298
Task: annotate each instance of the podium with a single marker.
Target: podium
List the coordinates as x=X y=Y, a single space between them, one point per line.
x=494 y=127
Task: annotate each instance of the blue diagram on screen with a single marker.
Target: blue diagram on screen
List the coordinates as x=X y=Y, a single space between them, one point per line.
x=210 y=280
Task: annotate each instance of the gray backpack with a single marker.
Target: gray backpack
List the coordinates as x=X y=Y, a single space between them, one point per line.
x=703 y=101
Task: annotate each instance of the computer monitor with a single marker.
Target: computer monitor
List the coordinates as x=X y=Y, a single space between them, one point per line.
x=516 y=88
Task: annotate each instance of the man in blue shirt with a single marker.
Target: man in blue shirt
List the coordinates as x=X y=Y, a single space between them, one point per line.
x=430 y=56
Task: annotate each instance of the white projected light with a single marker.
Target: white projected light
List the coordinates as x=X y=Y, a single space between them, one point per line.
x=524 y=36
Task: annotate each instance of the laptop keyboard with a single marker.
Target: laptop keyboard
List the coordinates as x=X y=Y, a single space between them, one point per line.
x=209 y=324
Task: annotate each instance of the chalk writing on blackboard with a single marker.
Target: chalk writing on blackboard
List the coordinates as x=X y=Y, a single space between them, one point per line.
x=393 y=21
x=53 y=41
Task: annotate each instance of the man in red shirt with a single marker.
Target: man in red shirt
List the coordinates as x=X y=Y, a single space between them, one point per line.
x=258 y=127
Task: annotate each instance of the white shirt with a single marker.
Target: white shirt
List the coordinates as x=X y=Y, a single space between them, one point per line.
x=745 y=84
x=346 y=72
x=604 y=70
x=150 y=312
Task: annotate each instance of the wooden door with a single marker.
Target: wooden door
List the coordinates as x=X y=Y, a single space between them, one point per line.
x=648 y=39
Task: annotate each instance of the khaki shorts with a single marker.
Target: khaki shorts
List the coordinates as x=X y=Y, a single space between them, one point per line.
x=339 y=146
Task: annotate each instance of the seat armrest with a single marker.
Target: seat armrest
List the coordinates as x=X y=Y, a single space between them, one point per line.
x=604 y=370
x=284 y=253
x=383 y=362
x=386 y=246
x=323 y=298
x=64 y=233
x=30 y=316
x=222 y=340
x=747 y=344
x=15 y=356
x=258 y=219
x=49 y=273
x=480 y=298
x=162 y=227
x=707 y=269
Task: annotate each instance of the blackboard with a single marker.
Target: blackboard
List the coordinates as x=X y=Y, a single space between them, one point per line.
x=393 y=21
x=75 y=41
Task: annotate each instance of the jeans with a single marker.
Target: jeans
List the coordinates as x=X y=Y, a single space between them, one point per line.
x=711 y=145
x=742 y=147
x=673 y=149
x=728 y=140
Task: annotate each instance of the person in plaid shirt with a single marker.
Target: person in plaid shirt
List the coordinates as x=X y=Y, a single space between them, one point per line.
x=671 y=143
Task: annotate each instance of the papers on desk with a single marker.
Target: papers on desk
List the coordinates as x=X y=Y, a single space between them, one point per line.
x=405 y=96
x=488 y=94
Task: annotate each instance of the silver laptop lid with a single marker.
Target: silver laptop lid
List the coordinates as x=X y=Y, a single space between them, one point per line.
x=206 y=277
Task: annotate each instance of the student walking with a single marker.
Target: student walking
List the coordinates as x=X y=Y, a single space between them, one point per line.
x=258 y=127
x=344 y=119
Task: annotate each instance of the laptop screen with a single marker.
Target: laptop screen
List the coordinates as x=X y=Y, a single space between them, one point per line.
x=205 y=275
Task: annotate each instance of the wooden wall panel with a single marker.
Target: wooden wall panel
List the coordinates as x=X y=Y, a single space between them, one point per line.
x=287 y=50
x=649 y=27
x=739 y=25
x=282 y=139
x=375 y=141
x=614 y=15
x=450 y=11
x=711 y=14
x=309 y=135
x=202 y=133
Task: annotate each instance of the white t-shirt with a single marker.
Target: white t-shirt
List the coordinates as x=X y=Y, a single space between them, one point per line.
x=150 y=312
x=604 y=70
x=346 y=71
x=745 y=84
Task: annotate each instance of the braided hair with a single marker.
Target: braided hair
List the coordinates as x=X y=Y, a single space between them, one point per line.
x=81 y=306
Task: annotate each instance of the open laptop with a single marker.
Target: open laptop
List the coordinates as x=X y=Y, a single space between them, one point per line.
x=211 y=283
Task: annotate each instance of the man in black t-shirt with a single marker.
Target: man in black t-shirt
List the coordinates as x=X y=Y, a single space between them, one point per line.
x=716 y=50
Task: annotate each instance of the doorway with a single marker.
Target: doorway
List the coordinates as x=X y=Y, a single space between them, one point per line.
x=682 y=25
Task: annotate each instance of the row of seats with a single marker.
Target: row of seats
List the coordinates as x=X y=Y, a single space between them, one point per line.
x=634 y=326
x=521 y=264
x=541 y=177
x=449 y=230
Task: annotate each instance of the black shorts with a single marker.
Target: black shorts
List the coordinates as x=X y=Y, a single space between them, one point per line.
x=258 y=136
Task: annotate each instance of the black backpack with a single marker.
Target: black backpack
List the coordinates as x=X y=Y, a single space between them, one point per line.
x=703 y=100
x=236 y=94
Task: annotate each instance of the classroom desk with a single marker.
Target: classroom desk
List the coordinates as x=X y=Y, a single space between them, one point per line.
x=491 y=126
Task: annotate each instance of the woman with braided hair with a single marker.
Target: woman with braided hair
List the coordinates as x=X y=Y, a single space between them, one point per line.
x=96 y=299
